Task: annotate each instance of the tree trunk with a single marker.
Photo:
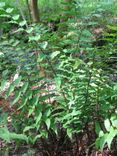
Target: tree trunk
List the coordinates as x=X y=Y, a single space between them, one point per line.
x=34 y=11
x=35 y=16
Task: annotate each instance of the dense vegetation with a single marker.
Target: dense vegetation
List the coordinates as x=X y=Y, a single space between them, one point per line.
x=58 y=75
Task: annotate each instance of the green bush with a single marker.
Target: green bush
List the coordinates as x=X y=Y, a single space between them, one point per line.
x=82 y=97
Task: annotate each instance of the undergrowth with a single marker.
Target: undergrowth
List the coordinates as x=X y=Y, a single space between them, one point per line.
x=61 y=85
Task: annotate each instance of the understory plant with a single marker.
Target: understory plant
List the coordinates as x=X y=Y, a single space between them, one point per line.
x=58 y=82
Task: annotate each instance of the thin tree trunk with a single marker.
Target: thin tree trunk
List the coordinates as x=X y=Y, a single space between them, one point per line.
x=34 y=10
x=35 y=16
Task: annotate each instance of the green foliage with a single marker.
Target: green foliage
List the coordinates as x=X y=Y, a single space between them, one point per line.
x=82 y=93
x=7 y=136
x=108 y=136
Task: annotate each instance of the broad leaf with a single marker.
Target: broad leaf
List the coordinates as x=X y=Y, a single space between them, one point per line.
x=15 y=17
x=9 y=10
x=111 y=136
x=48 y=122
x=38 y=118
x=107 y=124
x=23 y=23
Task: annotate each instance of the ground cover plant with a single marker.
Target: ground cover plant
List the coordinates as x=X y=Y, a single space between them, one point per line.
x=58 y=75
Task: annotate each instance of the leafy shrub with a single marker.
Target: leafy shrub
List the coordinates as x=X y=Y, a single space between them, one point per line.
x=82 y=97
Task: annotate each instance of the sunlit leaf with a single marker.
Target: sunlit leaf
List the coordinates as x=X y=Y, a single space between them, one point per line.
x=107 y=124
x=15 y=17
x=17 y=81
x=55 y=54
x=29 y=30
x=69 y=133
x=23 y=23
x=27 y=128
x=2 y=4
x=24 y=87
x=17 y=97
x=44 y=45
x=38 y=118
x=48 y=122
x=34 y=38
x=103 y=140
x=31 y=110
x=114 y=120
x=9 y=10
x=111 y=136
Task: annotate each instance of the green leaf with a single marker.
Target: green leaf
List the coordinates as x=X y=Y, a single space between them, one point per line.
x=48 y=122
x=15 y=17
x=34 y=38
x=114 y=120
x=101 y=133
x=112 y=27
x=23 y=23
x=35 y=100
x=12 y=22
x=24 y=87
x=107 y=124
x=17 y=81
x=44 y=133
x=78 y=62
x=24 y=102
x=5 y=72
x=4 y=134
x=44 y=45
x=55 y=54
x=115 y=87
x=17 y=97
x=41 y=57
x=18 y=136
x=58 y=82
x=19 y=30
x=2 y=4
x=5 y=16
x=38 y=118
x=37 y=137
x=3 y=85
x=9 y=10
x=111 y=136
x=29 y=30
x=27 y=128
x=103 y=140
x=48 y=112
x=97 y=143
x=29 y=94
x=10 y=89
x=97 y=128
x=1 y=55
x=69 y=133
x=31 y=110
